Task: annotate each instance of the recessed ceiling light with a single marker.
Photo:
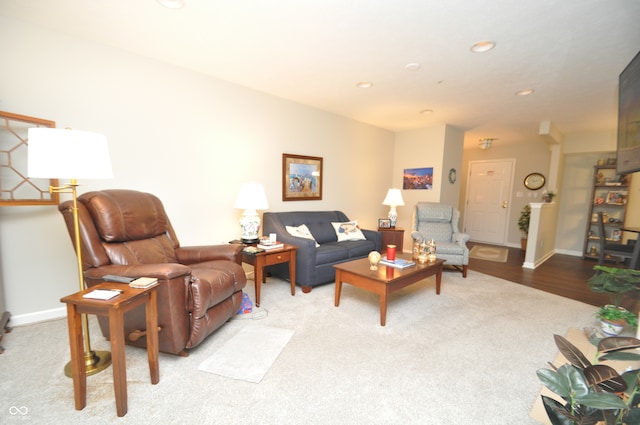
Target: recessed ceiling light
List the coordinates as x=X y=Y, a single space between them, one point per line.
x=172 y=4
x=365 y=84
x=525 y=92
x=426 y=111
x=483 y=46
x=412 y=66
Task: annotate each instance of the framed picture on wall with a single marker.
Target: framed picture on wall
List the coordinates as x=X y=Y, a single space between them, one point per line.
x=301 y=178
x=418 y=178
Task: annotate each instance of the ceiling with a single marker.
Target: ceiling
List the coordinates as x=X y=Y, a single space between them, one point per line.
x=314 y=52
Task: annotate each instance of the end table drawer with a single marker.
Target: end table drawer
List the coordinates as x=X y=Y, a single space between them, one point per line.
x=277 y=258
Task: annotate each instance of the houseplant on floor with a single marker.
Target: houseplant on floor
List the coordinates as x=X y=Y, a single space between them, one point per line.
x=615 y=282
x=523 y=225
x=593 y=393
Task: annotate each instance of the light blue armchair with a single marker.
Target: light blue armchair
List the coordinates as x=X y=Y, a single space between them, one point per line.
x=438 y=222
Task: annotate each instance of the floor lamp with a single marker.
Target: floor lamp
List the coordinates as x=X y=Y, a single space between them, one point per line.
x=71 y=154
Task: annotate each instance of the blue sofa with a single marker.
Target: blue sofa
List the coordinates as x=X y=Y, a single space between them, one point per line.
x=314 y=264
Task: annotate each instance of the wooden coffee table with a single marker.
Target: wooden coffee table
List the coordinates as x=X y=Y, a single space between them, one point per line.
x=385 y=280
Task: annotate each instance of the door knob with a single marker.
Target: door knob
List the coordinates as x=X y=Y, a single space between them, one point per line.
x=504 y=204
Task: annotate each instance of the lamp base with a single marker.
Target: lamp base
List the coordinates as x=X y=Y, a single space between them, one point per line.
x=94 y=362
x=250 y=241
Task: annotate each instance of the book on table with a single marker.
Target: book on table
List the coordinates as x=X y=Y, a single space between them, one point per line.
x=276 y=245
x=143 y=282
x=398 y=263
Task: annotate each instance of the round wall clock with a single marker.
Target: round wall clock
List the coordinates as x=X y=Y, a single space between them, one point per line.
x=452 y=176
x=534 y=181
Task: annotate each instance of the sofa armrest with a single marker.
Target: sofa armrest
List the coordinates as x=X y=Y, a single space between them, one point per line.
x=375 y=236
x=198 y=254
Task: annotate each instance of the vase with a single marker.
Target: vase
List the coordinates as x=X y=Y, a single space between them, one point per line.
x=611 y=328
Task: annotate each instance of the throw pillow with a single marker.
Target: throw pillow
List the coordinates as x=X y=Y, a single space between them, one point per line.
x=348 y=231
x=301 y=231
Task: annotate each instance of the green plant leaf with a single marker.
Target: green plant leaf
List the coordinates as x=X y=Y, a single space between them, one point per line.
x=557 y=413
x=571 y=352
x=556 y=382
x=630 y=357
x=603 y=401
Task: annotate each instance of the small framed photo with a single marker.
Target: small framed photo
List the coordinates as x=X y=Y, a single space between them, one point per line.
x=616 y=234
x=617 y=197
x=384 y=223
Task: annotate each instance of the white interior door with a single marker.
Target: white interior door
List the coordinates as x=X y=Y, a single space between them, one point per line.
x=488 y=194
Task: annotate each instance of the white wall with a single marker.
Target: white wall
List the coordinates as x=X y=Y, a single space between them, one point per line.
x=439 y=147
x=187 y=138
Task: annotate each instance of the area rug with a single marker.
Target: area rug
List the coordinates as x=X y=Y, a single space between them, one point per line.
x=249 y=354
x=489 y=253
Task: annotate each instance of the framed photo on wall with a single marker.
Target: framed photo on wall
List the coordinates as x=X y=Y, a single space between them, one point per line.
x=301 y=178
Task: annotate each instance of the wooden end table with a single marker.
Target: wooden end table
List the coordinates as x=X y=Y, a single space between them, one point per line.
x=392 y=236
x=259 y=260
x=385 y=280
x=115 y=309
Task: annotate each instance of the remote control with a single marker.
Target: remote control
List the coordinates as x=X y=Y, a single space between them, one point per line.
x=115 y=278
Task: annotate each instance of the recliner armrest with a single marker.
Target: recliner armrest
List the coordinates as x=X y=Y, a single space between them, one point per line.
x=164 y=271
x=198 y=254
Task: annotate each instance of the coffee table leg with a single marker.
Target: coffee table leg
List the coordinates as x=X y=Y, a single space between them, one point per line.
x=383 y=308
x=338 y=287
x=438 y=279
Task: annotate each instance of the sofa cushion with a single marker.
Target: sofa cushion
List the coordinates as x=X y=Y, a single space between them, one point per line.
x=348 y=231
x=332 y=252
x=301 y=231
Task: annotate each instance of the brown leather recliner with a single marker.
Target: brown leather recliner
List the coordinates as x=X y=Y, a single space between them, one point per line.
x=127 y=233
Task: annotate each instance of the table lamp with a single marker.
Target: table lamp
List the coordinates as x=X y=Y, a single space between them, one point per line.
x=251 y=198
x=393 y=200
x=71 y=154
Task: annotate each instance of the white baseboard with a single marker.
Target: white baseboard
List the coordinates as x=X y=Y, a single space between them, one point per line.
x=38 y=316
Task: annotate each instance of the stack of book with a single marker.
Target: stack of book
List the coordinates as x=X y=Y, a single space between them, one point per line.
x=268 y=245
x=398 y=263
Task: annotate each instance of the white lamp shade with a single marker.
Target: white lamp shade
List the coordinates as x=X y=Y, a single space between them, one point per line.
x=251 y=197
x=393 y=198
x=57 y=153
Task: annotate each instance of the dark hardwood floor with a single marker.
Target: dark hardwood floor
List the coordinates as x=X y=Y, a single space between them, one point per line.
x=563 y=275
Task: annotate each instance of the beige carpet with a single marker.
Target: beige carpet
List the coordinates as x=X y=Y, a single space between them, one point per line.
x=489 y=253
x=248 y=356
x=466 y=356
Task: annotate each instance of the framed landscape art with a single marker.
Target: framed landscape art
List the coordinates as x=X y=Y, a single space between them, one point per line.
x=301 y=178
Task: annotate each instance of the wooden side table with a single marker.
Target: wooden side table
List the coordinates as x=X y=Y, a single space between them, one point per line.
x=259 y=260
x=392 y=236
x=114 y=308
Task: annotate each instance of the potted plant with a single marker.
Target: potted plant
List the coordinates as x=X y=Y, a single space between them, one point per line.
x=523 y=225
x=613 y=319
x=593 y=392
x=615 y=282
